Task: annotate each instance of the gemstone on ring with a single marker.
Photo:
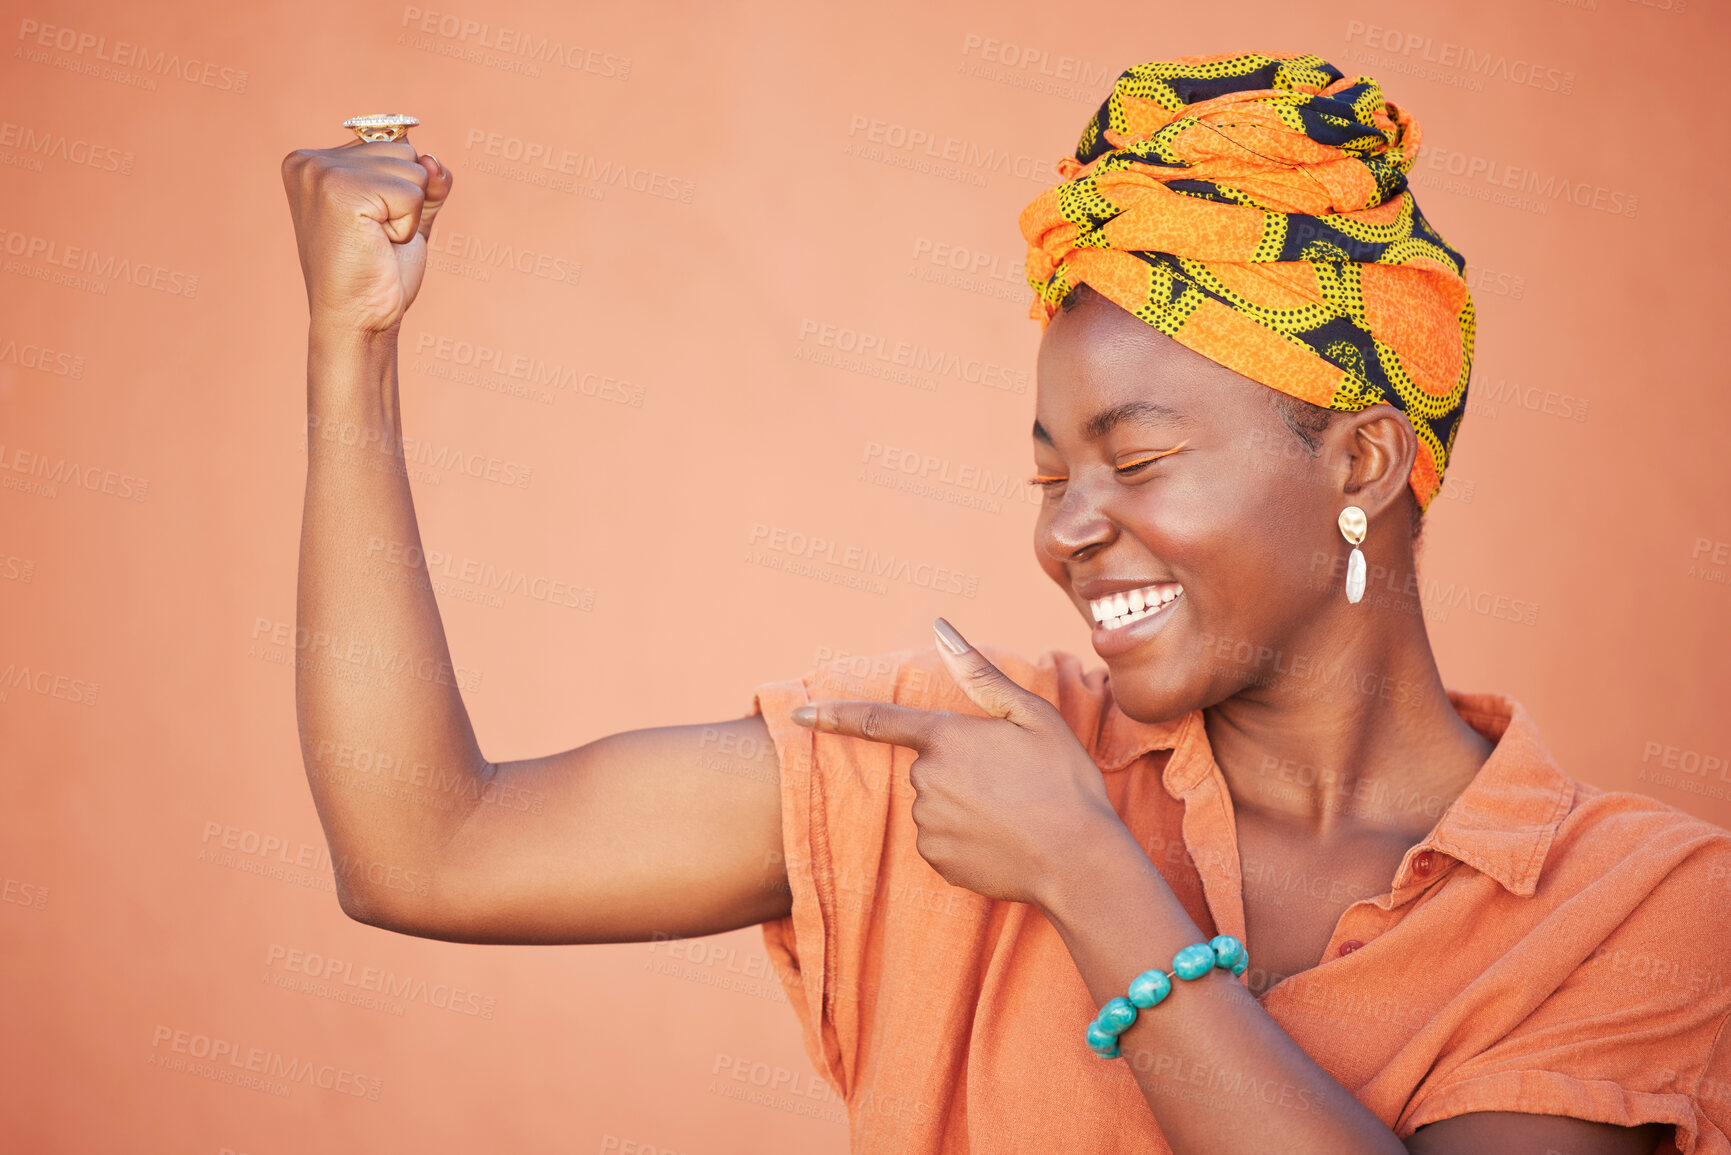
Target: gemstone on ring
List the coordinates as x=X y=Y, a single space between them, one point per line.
x=381 y=126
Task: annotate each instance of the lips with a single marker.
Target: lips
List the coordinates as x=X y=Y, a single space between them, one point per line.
x=1128 y=616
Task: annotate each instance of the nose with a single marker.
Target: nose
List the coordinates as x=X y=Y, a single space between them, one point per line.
x=1075 y=528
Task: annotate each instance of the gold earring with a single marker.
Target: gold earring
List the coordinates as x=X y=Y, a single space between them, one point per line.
x=1352 y=527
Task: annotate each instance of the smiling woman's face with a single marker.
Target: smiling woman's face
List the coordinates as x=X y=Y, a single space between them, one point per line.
x=1226 y=529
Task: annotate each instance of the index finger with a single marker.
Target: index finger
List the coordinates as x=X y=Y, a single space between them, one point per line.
x=873 y=721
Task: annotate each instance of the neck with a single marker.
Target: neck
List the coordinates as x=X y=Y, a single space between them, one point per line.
x=1352 y=731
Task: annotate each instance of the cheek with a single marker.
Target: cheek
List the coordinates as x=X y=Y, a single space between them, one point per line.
x=1244 y=557
x=1180 y=525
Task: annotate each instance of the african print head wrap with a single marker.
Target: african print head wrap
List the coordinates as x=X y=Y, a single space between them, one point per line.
x=1254 y=207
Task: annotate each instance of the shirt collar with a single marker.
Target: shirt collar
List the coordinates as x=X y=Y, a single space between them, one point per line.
x=1122 y=739
x=1502 y=824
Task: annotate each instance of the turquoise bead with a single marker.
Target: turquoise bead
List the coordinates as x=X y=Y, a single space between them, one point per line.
x=1149 y=987
x=1227 y=951
x=1101 y=1041
x=1238 y=967
x=1117 y=1015
x=1193 y=961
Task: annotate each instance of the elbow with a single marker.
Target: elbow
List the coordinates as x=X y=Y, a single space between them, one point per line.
x=406 y=905
x=387 y=908
x=363 y=905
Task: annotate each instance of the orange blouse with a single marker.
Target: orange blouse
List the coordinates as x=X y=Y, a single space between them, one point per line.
x=1549 y=947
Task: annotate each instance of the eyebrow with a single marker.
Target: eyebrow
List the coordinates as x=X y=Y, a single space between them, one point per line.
x=1106 y=420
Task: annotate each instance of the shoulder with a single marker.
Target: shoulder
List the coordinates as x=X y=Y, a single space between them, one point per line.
x=1656 y=882
x=1606 y=818
x=1602 y=982
x=1673 y=859
x=1569 y=832
x=918 y=677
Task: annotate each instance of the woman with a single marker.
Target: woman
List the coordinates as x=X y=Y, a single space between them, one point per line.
x=1253 y=369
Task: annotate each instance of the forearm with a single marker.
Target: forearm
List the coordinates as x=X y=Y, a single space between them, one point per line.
x=1217 y=1071
x=376 y=691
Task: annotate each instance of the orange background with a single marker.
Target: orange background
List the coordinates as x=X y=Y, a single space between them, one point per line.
x=1588 y=484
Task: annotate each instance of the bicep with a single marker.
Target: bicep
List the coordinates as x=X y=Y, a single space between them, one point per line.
x=672 y=831
x=1515 y=1133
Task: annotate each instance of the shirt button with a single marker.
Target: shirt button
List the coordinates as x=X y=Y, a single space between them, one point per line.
x=1349 y=946
x=1423 y=864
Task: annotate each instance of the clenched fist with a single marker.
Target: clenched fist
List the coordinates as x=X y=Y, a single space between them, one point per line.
x=362 y=214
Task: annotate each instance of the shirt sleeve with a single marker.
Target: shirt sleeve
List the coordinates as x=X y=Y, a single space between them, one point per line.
x=1712 y=1096
x=848 y=846
x=1635 y=1034
x=803 y=945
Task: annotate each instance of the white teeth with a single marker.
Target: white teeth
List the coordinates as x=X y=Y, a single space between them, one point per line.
x=1117 y=610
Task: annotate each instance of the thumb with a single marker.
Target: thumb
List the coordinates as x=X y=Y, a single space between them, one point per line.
x=986 y=686
x=439 y=181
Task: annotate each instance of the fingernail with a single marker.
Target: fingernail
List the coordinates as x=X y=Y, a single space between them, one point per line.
x=435 y=160
x=948 y=638
x=805 y=715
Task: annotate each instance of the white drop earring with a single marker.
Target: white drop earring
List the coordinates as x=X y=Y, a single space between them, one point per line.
x=1352 y=527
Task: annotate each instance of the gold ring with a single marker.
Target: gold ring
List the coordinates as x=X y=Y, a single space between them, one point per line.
x=381 y=126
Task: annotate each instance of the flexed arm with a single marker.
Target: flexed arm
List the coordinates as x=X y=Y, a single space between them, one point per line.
x=669 y=831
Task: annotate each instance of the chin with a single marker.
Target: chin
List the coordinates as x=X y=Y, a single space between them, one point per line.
x=1152 y=697
x=1158 y=664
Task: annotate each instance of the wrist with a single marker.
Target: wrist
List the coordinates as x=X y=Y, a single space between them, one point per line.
x=333 y=335
x=1105 y=859
x=351 y=371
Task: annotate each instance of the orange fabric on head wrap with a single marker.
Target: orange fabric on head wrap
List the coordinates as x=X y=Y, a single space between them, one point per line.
x=1254 y=208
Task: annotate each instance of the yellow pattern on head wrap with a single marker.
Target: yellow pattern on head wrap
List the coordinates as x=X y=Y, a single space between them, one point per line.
x=1254 y=208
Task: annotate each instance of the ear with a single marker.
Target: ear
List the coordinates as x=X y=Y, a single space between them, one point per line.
x=1372 y=452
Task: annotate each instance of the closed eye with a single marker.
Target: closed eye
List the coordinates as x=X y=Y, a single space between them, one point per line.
x=1130 y=467
x=1048 y=482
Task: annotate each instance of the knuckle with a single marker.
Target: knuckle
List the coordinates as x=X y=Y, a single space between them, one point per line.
x=940 y=735
x=323 y=179
x=871 y=721
x=302 y=167
x=982 y=673
x=936 y=851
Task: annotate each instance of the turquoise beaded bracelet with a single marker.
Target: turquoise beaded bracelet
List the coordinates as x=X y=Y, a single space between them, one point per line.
x=1150 y=987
